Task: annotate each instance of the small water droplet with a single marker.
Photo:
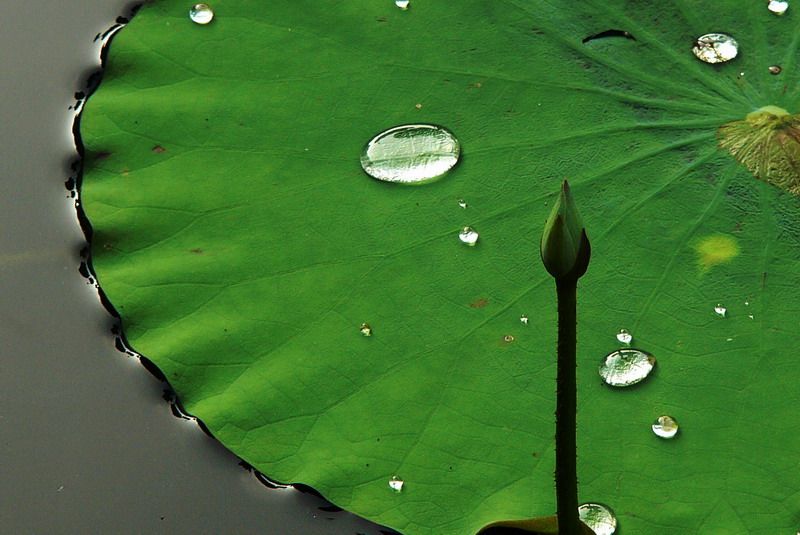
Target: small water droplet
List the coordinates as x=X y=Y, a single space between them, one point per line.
x=626 y=367
x=365 y=329
x=508 y=338
x=665 y=427
x=729 y=339
x=411 y=154
x=201 y=14
x=468 y=235
x=775 y=69
x=715 y=48
x=396 y=484
x=462 y=203
x=721 y=310
x=779 y=8
x=524 y=319
x=599 y=517
x=402 y=4
x=747 y=303
x=624 y=336
x=751 y=316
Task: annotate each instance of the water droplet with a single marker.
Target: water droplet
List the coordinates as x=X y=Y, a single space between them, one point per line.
x=396 y=484
x=468 y=235
x=775 y=69
x=626 y=367
x=524 y=319
x=201 y=14
x=715 y=48
x=599 y=517
x=721 y=310
x=411 y=154
x=729 y=339
x=751 y=316
x=508 y=338
x=365 y=329
x=402 y=4
x=665 y=426
x=624 y=336
x=779 y=8
x=462 y=203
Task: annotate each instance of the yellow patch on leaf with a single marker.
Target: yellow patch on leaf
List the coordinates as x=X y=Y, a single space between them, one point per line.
x=714 y=250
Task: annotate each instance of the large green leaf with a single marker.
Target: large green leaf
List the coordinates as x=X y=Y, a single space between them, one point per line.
x=243 y=245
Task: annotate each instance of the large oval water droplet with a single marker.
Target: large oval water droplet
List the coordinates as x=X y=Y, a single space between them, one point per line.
x=599 y=517
x=665 y=426
x=626 y=367
x=411 y=154
x=402 y=4
x=715 y=48
x=201 y=14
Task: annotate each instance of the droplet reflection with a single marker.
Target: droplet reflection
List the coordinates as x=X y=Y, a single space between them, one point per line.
x=626 y=367
x=402 y=4
x=396 y=484
x=468 y=235
x=665 y=427
x=599 y=517
x=624 y=336
x=411 y=154
x=365 y=329
x=721 y=310
x=778 y=7
x=715 y=48
x=201 y=14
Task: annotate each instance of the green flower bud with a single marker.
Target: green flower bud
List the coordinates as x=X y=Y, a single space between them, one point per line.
x=565 y=248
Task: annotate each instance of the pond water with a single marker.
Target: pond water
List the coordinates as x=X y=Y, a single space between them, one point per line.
x=88 y=440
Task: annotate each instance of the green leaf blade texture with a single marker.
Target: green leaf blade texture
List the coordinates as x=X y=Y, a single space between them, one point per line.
x=245 y=255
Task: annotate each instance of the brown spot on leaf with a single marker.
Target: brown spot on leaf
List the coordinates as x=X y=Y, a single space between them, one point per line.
x=159 y=148
x=480 y=303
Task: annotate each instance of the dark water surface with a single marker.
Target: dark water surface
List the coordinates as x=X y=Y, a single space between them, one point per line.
x=87 y=442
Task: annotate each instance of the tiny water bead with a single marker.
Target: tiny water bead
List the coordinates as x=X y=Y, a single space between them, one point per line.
x=778 y=7
x=462 y=203
x=665 y=427
x=468 y=235
x=402 y=4
x=720 y=310
x=624 y=336
x=411 y=154
x=775 y=69
x=524 y=319
x=599 y=517
x=626 y=367
x=715 y=48
x=201 y=14
x=365 y=329
x=508 y=338
x=396 y=484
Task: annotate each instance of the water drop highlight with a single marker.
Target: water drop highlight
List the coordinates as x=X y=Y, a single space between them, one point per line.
x=775 y=69
x=462 y=203
x=720 y=310
x=411 y=154
x=778 y=7
x=402 y=4
x=715 y=48
x=468 y=235
x=665 y=427
x=624 y=336
x=508 y=338
x=524 y=319
x=365 y=329
x=599 y=517
x=396 y=484
x=201 y=14
x=626 y=367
